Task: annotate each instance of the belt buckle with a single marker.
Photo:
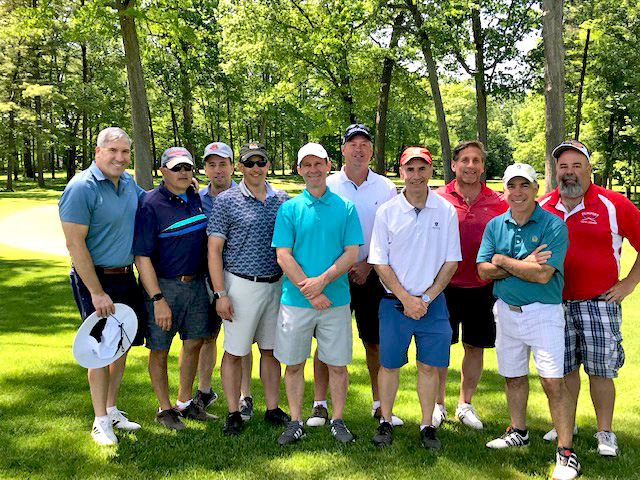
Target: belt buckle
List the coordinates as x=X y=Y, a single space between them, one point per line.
x=515 y=308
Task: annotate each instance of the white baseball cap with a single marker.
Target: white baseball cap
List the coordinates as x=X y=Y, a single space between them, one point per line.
x=314 y=149
x=520 y=170
x=571 y=145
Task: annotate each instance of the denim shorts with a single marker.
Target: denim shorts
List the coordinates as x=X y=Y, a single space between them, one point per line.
x=432 y=334
x=189 y=303
x=121 y=287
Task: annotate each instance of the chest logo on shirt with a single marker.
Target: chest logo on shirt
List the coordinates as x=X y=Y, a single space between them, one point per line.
x=589 y=217
x=436 y=226
x=534 y=239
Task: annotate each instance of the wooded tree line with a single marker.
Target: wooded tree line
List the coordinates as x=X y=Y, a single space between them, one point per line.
x=283 y=72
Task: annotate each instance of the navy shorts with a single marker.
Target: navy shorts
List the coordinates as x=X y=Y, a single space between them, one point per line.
x=432 y=334
x=121 y=287
x=189 y=303
x=365 y=302
x=472 y=308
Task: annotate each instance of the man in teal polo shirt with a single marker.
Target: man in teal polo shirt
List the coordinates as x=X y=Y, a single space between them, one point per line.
x=523 y=251
x=316 y=235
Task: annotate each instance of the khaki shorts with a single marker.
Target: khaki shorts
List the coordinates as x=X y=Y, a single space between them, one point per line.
x=255 y=313
x=331 y=327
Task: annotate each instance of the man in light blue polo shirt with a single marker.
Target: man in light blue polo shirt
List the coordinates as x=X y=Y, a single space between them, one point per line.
x=97 y=211
x=523 y=251
x=317 y=235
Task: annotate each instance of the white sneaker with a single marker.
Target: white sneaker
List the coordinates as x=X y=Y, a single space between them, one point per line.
x=467 y=415
x=102 y=432
x=510 y=438
x=119 y=420
x=377 y=414
x=607 y=444
x=552 y=435
x=439 y=415
x=567 y=466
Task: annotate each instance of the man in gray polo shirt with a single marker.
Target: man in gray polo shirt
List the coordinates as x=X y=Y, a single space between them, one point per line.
x=247 y=280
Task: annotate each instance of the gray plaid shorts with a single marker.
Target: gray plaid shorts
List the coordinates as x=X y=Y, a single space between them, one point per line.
x=592 y=337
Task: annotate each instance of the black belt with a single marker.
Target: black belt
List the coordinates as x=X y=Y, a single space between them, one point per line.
x=256 y=278
x=115 y=270
x=390 y=296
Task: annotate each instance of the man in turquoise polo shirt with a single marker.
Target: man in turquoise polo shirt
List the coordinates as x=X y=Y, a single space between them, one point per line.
x=523 y=251
x=316 y=235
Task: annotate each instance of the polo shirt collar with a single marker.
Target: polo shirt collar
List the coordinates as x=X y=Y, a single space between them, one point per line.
x=342 y=175
x=247 y=193
x=162 y=188
x=535 y=216
x=405 y=206
x=310 y=199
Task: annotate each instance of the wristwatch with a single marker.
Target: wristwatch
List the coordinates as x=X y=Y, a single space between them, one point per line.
x=219 y=294
x=156 y=297
x=426 y=298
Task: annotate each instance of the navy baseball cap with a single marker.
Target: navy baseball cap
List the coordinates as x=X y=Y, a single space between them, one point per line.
x=356 y=129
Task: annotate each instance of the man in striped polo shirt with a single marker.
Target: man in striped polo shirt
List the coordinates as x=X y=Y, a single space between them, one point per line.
x=170 y=248
x=598 y=221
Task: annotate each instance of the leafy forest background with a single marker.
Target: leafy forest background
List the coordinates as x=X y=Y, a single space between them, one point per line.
x=520 y=75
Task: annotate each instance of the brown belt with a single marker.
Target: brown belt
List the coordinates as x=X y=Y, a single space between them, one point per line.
x=115 y=270
x=186 y=278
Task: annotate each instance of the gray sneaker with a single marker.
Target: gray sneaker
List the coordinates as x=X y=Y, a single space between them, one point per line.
x=205 y=398
x=196 y=411
x=246 y=408
x=429 y=439
x=341 y=432
x=293 y=433
x=170 y=419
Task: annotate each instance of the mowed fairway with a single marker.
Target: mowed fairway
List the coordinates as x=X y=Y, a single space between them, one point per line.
x=46 y=415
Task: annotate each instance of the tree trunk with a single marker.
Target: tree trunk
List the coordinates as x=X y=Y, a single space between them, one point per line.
x=229 y=118
x=138 y=95
x=13 y=153
x=174 y=125
x=153 y=144
x=481 y=92
x=383 y=97
x=27 y=158
x=554 y=131
x=581 y=85
x=443 y=132
x=608 y=162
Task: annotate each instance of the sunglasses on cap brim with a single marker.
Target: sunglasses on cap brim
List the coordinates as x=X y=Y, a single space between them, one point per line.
x=182 y=166
x=250 y=163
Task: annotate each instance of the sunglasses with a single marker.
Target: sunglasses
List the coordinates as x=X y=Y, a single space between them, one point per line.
x=182 y=166
x=250 y=163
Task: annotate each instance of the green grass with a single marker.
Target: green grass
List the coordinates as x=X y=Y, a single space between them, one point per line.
x=46 y=415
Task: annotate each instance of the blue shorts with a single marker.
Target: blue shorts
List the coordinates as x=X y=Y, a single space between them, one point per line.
x=121 y=287
x=189 y=303
x=432 y=334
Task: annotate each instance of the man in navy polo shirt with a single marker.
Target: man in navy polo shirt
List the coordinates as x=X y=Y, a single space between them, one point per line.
x=247 y=281
x=170 y=253
x=97 y=211
x=523 y=252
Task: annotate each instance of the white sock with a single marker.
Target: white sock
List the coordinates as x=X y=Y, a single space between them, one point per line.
x=111 y=410
x=422 y=427
x=320 y=402
x=103 y=419
x=181 y=405
x=376 y=404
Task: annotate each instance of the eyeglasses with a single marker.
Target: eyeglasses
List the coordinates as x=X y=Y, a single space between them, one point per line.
x=250 y=163
x=182 y=166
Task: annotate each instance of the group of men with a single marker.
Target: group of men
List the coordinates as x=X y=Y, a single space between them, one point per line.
x=416 y=265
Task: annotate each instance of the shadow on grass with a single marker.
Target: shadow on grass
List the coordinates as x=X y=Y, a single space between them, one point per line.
x=36 y=297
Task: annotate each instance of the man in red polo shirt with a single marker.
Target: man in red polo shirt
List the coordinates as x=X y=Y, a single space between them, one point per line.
x=469 y=298
x=598 y=221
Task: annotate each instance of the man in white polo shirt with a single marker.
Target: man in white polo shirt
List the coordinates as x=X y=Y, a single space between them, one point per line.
x=415 y=248
x=368 y=191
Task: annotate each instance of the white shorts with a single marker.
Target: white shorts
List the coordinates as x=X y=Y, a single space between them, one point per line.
x=298 y=325
x=539 y=328
x=255 y=314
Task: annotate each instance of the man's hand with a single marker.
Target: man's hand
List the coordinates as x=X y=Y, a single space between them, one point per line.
x=311 y=287
x=359 y=272
x=619 y=291
x=414 y=307
x=538 y=255
x=320 y=302
x=162 y=314
x=224 y=307
x=103 y=304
